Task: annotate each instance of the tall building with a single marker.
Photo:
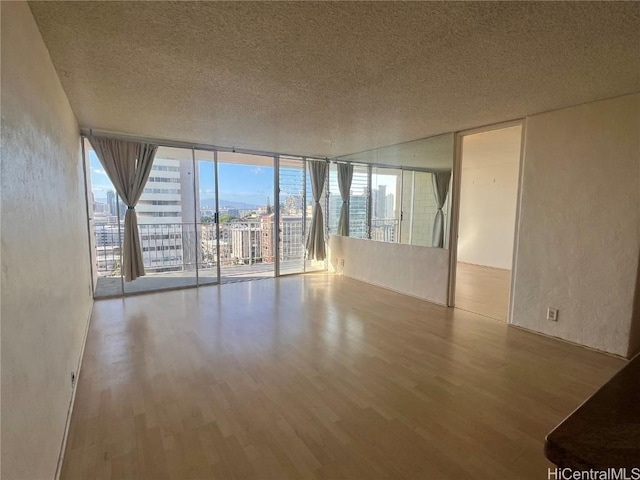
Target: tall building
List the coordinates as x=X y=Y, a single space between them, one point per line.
x=112 y=202
x=380 y=202
x=390 y=206
x=167 y=216
x=358 y=216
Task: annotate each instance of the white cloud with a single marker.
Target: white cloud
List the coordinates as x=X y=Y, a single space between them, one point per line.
x=99 y=171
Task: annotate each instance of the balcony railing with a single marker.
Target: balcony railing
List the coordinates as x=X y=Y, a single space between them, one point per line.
x=172 y=247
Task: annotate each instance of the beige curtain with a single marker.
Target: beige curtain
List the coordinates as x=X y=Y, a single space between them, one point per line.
x=315 y=241
x=127 y=165
x=441 y=182
x=345 y=176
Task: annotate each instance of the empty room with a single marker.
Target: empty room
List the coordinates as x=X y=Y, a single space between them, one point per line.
x=320 y=240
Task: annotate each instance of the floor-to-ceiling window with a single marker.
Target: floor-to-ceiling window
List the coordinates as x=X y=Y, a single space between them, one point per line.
x=205 y=217
x=207 y=226
x=386 y=208
x=291 y=181
x=312 y=265
x=246 y=214
x=106 y=222
x=167 y=217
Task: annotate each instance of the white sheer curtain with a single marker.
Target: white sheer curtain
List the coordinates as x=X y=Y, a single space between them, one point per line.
x=315 y=242
x=345 y=176
x=127 y=165
x=441 y=182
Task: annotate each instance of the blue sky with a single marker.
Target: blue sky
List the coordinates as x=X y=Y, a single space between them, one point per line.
x=238 y=183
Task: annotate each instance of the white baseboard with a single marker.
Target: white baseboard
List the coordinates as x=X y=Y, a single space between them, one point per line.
x=65 y=436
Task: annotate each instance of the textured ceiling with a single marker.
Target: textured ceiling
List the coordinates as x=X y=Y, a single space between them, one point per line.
x=327 y=79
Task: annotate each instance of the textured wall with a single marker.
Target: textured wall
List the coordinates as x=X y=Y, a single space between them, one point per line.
x=46 y=297
x=488 y=197
x=418 y=271
x=579 y=223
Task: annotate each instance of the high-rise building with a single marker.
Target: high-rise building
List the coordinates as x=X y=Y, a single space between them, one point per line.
x=390 y=206
x=358 y=216
x=380 y=202
x=112 y=202
x=167 y=217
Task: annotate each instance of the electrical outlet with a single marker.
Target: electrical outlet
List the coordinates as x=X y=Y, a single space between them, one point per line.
x=552 y=314
x=73 y=379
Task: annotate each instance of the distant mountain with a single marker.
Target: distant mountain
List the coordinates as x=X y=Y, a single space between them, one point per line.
x=211 y=203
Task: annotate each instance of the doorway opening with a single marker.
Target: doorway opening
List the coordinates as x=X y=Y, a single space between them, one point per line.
x=488 y=203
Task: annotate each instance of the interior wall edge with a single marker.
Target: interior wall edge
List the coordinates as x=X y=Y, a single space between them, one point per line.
x=65 y=434
x=575 y=251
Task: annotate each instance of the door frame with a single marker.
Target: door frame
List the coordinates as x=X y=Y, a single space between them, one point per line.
x=455 y=207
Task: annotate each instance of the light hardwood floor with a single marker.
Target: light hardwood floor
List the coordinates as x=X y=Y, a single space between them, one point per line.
x=316 y=376
x=483 y=290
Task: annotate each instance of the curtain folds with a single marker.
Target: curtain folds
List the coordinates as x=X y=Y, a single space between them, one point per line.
x=441 y=182
x=127 y=165
x=315 y=241
x=345 y=176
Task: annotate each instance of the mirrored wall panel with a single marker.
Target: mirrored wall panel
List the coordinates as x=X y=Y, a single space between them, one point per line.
x=400 y=193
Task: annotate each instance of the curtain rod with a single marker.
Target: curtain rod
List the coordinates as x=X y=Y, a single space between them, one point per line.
x=88 y=132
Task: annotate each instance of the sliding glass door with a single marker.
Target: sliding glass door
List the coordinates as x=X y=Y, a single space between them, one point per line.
x=291 y=179
x=207 y=217
x=167 y=217
x=246 y=216
x=315 y=265
x=386 y=207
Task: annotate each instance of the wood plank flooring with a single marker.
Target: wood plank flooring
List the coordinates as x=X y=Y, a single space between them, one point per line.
x=316 y=376
x=483 y=290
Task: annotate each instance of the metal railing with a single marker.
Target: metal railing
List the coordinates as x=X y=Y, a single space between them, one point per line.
x=172 y=247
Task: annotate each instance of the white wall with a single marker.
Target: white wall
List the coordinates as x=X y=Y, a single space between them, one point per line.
x=46 y=281
x=579 y=223
x=418 y=271
x=488 y=197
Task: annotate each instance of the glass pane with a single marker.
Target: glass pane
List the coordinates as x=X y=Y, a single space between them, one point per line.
x=292 y=248
x=385 y=204
x=107 y=227
x=206 y=214
x=335 y=200
x=406 y=218
x=359 y=202
x=166 y=223
x=425 y=210
x=247 y=235
x=315 y=265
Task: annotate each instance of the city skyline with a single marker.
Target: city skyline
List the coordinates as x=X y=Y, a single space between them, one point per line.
x=250 y=185
x=247 y=184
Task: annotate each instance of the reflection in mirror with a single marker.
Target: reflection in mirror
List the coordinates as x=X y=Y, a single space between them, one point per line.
x=402 y=186
x=386 y=209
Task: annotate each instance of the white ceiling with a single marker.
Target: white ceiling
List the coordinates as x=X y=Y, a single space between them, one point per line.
x=331 y=78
